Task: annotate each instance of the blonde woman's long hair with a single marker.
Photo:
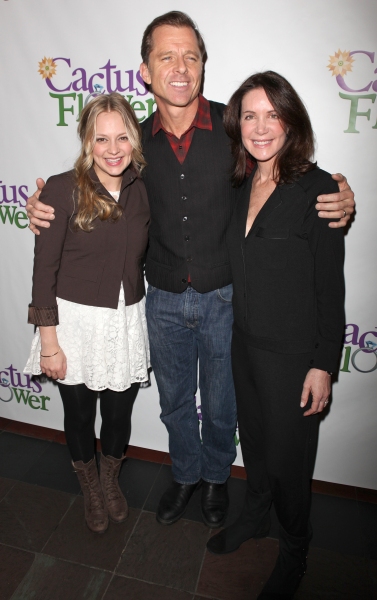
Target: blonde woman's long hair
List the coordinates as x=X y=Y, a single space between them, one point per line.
x=91 y=205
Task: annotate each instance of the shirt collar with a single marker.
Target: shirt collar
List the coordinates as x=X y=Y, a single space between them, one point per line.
x=202 y=118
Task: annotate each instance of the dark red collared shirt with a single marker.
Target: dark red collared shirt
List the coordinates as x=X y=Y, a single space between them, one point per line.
x=181 y=145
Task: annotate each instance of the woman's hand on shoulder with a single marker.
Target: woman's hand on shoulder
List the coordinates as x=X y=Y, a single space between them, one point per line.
x=318 y=384
x=54 y=366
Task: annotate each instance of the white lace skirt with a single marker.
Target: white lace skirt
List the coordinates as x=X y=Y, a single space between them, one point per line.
x=105 y=347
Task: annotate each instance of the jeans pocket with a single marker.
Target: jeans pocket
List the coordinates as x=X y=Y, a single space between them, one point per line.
x=226 y=293
x=151 y=289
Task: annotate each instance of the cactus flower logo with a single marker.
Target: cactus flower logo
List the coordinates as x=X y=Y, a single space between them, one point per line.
x=340 y=63
x=72 y=86
x=359 y=62
x=47 y=68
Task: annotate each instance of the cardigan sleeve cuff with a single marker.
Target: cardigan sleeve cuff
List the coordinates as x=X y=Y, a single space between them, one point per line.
x=325 y=356
x=43 y=316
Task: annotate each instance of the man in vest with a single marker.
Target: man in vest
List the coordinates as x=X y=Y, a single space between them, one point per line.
x=189 y=301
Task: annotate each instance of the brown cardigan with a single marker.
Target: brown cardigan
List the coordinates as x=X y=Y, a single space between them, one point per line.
x=88 y=267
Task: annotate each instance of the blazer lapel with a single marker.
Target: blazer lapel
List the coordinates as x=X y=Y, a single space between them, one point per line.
x=271 y=203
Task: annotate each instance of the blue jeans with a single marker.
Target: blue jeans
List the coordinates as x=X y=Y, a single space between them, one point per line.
x=182 y=329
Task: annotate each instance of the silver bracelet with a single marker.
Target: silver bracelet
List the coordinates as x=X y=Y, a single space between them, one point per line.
x=50 y=355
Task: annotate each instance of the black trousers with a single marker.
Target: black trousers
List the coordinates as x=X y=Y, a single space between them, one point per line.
x=80 y=405
x=278 y=443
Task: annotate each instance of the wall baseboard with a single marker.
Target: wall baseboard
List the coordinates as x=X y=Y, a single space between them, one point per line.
x=53 y=435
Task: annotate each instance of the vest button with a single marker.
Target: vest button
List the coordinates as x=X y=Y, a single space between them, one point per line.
x=189 y=259
x=184 y=198
x=182 y=175
x=184 y=280
x=187 y=237
x=184 y=218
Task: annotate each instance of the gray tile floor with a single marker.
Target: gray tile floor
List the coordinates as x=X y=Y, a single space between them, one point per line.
x=48 y=553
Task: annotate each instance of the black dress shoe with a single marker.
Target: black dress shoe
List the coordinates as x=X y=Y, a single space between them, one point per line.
x=215 y=503
x=253 y=522
x=174 y=502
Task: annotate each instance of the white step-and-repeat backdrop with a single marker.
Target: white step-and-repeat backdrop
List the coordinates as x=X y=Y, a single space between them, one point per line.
x=56 y=54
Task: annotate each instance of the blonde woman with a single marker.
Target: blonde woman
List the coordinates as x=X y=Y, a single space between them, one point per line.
x=88 y=297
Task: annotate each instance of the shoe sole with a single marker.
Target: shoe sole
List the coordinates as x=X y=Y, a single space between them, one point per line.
x=171 y=521
x=118 y=521
x=97 y=532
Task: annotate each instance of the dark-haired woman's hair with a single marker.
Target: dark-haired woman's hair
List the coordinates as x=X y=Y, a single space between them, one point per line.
x=294 y=158
x=174 y=18
x=90 y=204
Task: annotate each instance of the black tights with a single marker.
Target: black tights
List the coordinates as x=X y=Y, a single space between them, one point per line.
x=79 y=404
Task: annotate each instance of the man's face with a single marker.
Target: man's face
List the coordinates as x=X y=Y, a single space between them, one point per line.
x=175 y=66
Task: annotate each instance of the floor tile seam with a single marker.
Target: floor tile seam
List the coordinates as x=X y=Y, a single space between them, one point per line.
x=23 y=579
x=10 y=489
x=202 y=562
x=108 y=585
x=19 y=548
x=60 y=520
x=79 y=493
x=74 y=562
x=29 y=569
x=161 y=585
x=128 y=541
x=150 y=489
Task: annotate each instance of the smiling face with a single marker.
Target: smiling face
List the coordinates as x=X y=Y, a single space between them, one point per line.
x=175 y=67
x=262 y=132
x=112 y=152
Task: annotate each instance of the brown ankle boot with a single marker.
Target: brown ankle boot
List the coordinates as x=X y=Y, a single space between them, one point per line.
x=115 y=501
x=95 y=510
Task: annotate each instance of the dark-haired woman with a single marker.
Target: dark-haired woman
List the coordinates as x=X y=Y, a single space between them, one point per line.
x=88 y=297
x=287 y=268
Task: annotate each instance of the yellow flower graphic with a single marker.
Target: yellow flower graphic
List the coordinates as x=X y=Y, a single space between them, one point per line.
x=340 y=63
x=47 y=68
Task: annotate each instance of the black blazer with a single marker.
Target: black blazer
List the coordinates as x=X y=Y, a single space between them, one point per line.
x=88 y=267
x=288 y=272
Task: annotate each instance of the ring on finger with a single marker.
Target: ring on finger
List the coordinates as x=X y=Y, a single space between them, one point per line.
x=326 y=402
x=344 y=213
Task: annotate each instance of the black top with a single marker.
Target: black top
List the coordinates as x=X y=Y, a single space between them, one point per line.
x=288 y=272
x=191 y=207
